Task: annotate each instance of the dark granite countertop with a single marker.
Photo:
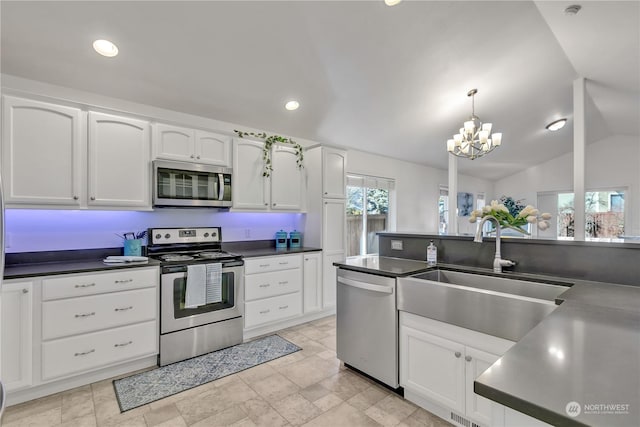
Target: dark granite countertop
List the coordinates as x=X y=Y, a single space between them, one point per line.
x=67 y=267
x=383 y=266
x=252 y=253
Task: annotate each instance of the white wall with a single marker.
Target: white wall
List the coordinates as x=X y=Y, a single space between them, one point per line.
x=611 y=162
x=417 y=189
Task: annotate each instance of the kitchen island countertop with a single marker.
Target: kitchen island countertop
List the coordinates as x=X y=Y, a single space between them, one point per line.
x=383 y=266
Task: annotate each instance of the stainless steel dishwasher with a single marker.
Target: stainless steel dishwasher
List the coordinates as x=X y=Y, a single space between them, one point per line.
x=367 y=324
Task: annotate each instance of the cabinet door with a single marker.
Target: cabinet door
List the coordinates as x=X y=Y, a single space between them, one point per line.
x=334 y=224
x=250 y=188
x=173 y=143
x=17 y=341
x=334 y=168
x=118 y=161
x=477 y=362
x=212 y=148
x=312 y=281
x=432 y=367
x=329 y=277
x=286 y=179
x=41 y=153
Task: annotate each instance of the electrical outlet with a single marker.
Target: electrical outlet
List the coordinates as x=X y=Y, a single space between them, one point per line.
x=396 y=245
x=247 y=233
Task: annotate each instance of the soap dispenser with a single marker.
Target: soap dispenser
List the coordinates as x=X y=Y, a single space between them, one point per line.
x=432 y=254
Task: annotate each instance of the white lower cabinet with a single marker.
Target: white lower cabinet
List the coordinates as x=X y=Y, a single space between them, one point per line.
x=439 y=363
x=272 y=289
x=312 y=281
x=329 y=277
x=507 y=417
x=17 y=334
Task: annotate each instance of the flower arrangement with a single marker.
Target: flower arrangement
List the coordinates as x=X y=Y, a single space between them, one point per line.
x=512 y=214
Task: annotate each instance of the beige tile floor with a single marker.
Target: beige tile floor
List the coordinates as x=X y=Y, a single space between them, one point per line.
x=309 y=388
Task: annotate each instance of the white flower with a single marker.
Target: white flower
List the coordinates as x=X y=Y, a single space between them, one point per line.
x=532 y=219
x=494 y=204
x=472 y=219
x=534 y=211
x=503 y=208
x=477 y=212
x=526 y=211
x=486 y=209
x=546 y=215
x=543 y=225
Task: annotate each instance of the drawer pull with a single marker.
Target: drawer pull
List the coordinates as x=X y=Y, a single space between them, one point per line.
x=124 y=281
x=124 y=308
x=266 y=285
x=124 y=344
x=284 y=263
x=85 y=353
x=283 y=307
x=93 y=313
x=264 y=265
x=265 y=311
x=283 y=283
x=86 y=285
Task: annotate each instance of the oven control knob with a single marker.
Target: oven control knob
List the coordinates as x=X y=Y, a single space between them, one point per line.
x=206 y=234
x=158 y=236
x=166 y=236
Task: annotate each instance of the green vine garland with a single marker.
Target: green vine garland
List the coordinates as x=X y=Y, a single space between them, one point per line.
x=269 y=140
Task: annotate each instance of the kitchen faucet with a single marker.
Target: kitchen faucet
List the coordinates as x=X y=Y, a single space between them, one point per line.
x=498 y=262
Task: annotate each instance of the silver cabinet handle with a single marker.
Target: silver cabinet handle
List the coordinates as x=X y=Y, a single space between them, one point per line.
x=283 y=283
x=85 y=285
x=283 y=307
x=124 y=308
x=284 y=263
x=197 y=157
x=75 y=197
x=326 y=192
x=266 y=204
x=193 y=156
x=92 y=198
x=266 y=285
x=265 y=311
x=458 y=354
x=124 y=344
x=85 y=353
x=93 y=313
x=264 y=265
x=25 y=291
x=274 y=204
x=124 y=281
x=467 y=358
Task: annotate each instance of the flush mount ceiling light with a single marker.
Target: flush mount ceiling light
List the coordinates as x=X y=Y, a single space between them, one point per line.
x=292 y=105
x=556 y=125
x=475 y=138
x=391 y=2
x=105 y=48
x=572 y=10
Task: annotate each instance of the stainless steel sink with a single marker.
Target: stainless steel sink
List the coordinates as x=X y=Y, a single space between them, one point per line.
x=503 y=307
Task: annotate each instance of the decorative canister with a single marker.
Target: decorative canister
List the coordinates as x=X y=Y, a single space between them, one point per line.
x=281 y=239
x=295 y=239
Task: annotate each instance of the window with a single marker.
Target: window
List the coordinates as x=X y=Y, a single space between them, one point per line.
x=604 y=213
x=367 y=212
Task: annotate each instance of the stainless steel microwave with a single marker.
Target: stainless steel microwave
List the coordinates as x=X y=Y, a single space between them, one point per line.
x=182 y=184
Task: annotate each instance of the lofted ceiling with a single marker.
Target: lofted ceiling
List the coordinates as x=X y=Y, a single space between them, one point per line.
x=388 y=80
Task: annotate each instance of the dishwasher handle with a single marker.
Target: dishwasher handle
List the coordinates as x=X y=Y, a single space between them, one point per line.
x=366 y=286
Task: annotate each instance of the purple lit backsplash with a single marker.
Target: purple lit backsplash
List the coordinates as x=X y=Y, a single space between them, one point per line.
x=28 y=230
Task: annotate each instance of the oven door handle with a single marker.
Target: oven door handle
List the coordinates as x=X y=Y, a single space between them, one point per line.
x=220 y=186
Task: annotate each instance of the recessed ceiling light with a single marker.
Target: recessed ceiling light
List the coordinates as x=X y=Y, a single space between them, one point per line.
x=391 y=2
x=556 y=125
x=105 y=48
x=573 y=9
x=292 y=105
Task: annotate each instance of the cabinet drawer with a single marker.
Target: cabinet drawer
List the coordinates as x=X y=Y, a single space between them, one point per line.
x=86 y=314
x=272 y=284
x=271 y=309
x=98 y=283
x=282 y=262
x=83 y=352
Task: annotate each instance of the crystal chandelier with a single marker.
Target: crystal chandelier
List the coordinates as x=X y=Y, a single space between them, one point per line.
x=475 y=138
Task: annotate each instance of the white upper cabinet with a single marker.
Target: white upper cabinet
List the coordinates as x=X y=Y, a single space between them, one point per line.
x=282 y=190
x=250 y=188
x=119 y=151
x=286 y=179
x=333 y=234
x=41 y=153
x=190 y=145
x=334 y=163
x=213 y=148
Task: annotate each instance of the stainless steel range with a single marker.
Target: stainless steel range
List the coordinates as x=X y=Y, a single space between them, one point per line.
x=201 y=290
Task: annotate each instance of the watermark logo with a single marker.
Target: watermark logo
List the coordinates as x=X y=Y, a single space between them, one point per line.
x=573 y=409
